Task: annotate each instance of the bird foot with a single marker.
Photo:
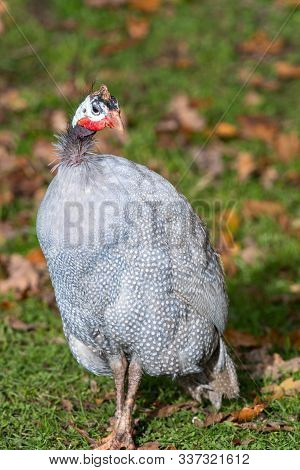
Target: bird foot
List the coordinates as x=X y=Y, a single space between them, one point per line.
x=117 y=441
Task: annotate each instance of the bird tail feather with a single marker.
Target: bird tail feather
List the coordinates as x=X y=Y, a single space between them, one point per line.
x=218 y=379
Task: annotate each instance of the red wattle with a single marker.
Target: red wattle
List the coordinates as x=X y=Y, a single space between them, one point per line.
x=92 y=125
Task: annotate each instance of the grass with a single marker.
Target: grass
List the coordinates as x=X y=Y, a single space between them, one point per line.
x=36 y=367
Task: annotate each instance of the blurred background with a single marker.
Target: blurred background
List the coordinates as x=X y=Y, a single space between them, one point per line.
x=209 y=93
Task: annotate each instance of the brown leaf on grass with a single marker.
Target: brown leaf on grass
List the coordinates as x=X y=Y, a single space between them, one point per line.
x=259 y=127
x=209 y=160
x=252 y=98
x=43 y=150
x=137 y=28
x=250 y=252
x=287 y=146
x=105 y=3
x=16 y=324
x=266 y=426
x=280 y=367
x=248 y=413
x=254 y=208
x=245 y=165
x=8 y=139
x=110 y=395
x=117 y=46
x=171 y=447
x=239 y=416
x=288 y=387
x=188 y=118
x=152 y=445
x=244 y=442
x=83 y=433
x=263 y=364
x=292 y=177
x=259 y=81
x=261 y=43
x=12 y=100
x=58 y=120
x=294 y=337
x=269 y=176
x=7 y=232
x=66 y=404
x=21 y=275
x=237 y=338
x=36 y=258
x=168 y=410
x=148 y=6
x=209 y=420
x=287 y=71
x=176 y=55
x=225 y=130
x=93 y=386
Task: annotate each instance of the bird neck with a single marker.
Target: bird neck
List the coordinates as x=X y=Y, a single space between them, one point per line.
x=74 y=145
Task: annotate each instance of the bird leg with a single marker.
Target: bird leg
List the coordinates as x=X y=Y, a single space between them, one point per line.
x=121 y=437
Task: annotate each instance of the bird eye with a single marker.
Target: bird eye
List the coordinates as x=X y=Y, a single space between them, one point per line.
x=95 y=108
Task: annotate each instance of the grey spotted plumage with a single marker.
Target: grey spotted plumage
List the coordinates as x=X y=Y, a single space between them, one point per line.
x=138 y=275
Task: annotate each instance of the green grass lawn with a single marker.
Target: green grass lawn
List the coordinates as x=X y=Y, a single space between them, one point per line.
x=37 y=370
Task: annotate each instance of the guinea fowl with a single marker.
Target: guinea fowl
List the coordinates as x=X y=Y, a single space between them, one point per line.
x=138 y=285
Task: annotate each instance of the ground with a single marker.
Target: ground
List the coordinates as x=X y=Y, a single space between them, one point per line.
x=42 y=387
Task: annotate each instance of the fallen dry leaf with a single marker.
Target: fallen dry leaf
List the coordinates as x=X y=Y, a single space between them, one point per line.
x=244 y=442
x=269 y=176
x=259 y=127
x=263 y=364
x=17 y=324
x=148 y=6
x=176 y=55
x=254 y=208
x=188 y=118
x=21 y=275
x=225 y=130
x=152 y=445
x=117 y=46
x=260 y=43
x=93 y=386
x=265 y=426
x=137 y=28
x=246 y=75
x=110 y=395
x=66 y=404
x=287 y=146
x=58 y=120
x=168 y=410
x=252 y=98
x=280 y=367
x=287 y=71
x=245 y=165
x=251 y=252
x=247 y=413
x=36 y=257
x=237 y=338
x=83 y=433
x=209 y=160
x=286 y=388
x=43 y=150
x=105 y=3
x=12 y=100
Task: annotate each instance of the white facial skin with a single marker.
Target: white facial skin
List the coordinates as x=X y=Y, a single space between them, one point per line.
x=91 y=108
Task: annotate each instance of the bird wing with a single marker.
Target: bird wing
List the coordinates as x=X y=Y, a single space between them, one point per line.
x=196 y=269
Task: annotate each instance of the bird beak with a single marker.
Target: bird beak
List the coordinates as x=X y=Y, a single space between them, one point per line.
x=112 y=119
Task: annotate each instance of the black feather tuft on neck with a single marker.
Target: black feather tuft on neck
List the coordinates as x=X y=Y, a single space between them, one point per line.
x=73 y=146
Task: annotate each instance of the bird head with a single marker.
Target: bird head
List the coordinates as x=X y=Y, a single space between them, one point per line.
x=99 y=110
